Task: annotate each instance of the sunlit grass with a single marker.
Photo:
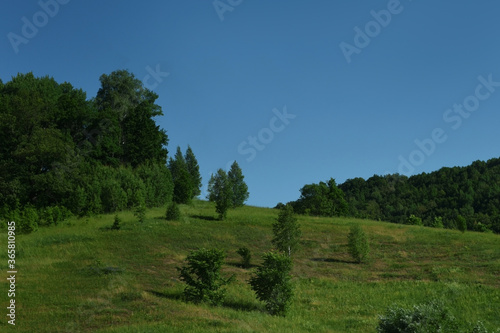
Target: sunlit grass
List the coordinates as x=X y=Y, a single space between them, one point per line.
x=83 y=277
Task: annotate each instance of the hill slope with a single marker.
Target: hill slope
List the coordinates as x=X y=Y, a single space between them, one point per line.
x=83 y=277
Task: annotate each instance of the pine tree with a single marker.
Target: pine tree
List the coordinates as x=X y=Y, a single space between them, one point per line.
x=194 y=171
x=183 y=188
x=239 y=187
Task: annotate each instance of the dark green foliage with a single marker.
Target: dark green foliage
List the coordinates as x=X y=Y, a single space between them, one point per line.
x=202 y=276
x=173 y=212
x=286 y=231
x=220 y=191
x=357 y=244
x=323 y=199
x=60 y=152
x=272 y=283
x=246 y=256
x=238 y=185
x=461 y=223
x=183 y=184
x=194 y=171
x=116 y=224
x=470 y=191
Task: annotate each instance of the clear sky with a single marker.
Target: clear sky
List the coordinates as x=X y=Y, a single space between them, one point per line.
x=295 y=91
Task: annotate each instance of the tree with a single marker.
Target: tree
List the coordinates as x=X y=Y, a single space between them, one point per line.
x=246 y=256
x=194 y=171
x=461 y=223
x=183 y=186
x=202 y=276
x=239 y=187
x=173 y=212
x=133 y=136
x=272 y=283
x=358 y=244
x=286 y=231
x=220 y=192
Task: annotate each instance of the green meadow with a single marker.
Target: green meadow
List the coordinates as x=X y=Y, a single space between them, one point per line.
x=83 y=277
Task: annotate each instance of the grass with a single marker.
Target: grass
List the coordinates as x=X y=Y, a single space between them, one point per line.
x=84 y=277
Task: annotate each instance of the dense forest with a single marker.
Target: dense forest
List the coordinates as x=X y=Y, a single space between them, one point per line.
x=446 y=198
x=62 y=153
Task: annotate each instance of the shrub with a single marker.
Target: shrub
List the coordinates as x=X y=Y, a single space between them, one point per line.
x=173 y=212
x=246 y=256
x=116 y=224
x=202 y=276
x=423 y=318
x=414 y=220
x=272 y=283
x=358 y=244
x=438 y=222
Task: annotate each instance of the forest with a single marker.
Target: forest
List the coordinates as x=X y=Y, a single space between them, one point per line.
x=455 y=198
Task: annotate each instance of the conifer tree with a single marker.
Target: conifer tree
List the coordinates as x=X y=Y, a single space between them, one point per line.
x=238 y=185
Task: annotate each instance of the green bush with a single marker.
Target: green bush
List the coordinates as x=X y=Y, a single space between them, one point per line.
x=414 y=220
x=28 y=220
x=116 y=224
x=461 y=223
x=358 y=245
x=423 y=318
x=246 y=256
x=438 y=222
x=202 y=276
x=140 y=213
x=173 y=212
x=272 y=283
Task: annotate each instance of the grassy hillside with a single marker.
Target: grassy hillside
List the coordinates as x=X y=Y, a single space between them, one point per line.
x=83 y=277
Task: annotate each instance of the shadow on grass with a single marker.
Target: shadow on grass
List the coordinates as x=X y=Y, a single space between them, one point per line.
x=203 y=217
x=232 y=304
x=334 y=260
x=239 y=265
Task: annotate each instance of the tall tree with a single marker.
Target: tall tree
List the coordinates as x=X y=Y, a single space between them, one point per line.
x=129 y=107
x=238 y=185
x=286 y=231
x=220 y=192
x=183 y=186
x=194 y=171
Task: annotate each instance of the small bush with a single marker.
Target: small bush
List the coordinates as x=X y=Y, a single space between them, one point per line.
x=358 y=245
x=438 y=222
x=202 y=276
x=116 y=224
x=173 y=212
x=272 y=283
x=246 y=256
x=414 y=220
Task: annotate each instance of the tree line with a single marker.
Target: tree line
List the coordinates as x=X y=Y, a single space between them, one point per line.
x=456 y=198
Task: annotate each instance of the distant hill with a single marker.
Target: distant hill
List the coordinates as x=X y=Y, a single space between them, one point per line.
x=471 y=192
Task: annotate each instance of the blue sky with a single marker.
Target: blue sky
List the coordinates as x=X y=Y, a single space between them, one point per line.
x=295 y=91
